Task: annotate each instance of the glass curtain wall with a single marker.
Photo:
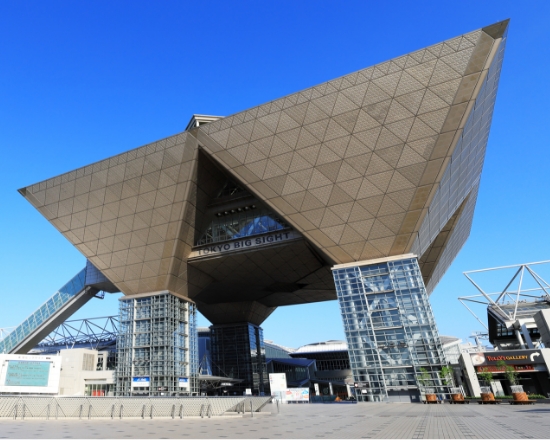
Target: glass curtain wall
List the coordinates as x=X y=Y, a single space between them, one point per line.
x=241 y=222
x=238 y=351
x=157 y=352
x=390 y=328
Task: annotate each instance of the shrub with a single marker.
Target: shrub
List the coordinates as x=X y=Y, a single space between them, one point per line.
x=447 y=375
x=509 y=372
x=486 y=376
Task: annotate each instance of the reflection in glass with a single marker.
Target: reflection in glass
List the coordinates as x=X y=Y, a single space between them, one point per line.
x=240 y=223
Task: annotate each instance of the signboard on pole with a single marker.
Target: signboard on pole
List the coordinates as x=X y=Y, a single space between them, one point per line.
x=277 y=382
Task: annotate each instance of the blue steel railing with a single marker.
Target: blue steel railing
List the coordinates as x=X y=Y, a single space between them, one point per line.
x=44 y=312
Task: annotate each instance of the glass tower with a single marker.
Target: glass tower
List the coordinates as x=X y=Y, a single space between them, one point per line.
x=393 y=341
x=157 y=352
x=238 y=351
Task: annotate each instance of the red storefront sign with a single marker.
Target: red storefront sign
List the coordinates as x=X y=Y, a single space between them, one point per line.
x=497 y=369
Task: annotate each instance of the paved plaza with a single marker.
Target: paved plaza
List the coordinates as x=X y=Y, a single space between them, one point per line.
x=312 y=421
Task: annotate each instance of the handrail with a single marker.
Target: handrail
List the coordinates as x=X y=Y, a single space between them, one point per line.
x=20 y=407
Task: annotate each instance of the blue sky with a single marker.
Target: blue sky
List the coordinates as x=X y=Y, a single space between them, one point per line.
x=82 y=81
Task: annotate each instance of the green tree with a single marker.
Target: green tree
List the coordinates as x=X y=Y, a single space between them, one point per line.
x=424 y=377
x=486 y=376
x=447 y=375
x=509 y=371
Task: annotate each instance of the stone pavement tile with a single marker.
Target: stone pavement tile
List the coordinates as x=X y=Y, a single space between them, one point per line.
x=311 y=421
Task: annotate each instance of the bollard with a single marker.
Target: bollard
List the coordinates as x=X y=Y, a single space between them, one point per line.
x=173 y=410
x=89 y=412
x=251 y=413
x=80 y=412
x=121 y=413
x=113 y=411
x=151 y=413
x=143 y=412
x=48 y=412
x=15 y=412
x=24 y=409
x=277 y=400
x=209 y=411
x=181 y=411
x=201 y=414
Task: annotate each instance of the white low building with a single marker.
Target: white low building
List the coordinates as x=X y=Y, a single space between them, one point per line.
x=84 y=373
x=73 y=372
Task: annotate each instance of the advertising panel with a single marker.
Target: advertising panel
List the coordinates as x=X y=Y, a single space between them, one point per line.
x=29 y=374
x=519 y=360
x=277 y=382
x=183 y=382
x=141 y=381
x=297 y=395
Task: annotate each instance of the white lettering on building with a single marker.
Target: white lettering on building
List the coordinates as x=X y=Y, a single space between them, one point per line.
x=244 y=244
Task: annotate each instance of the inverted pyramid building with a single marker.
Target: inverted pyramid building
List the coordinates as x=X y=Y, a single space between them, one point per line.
x=249 y=212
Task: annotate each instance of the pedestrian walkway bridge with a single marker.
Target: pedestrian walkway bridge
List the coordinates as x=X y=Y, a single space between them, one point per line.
x=84 y=286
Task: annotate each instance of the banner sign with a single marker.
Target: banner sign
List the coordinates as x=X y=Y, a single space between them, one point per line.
x=495 y=369
x=183 y=382
x=141 y=381
x=245 y=243
x=297 y=395
x=511 y=357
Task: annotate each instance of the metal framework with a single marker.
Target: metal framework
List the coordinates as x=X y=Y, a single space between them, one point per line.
x=93 y=333
x=389 y=324
x=511 y=304
x=511 y=321
x=5 y=331
x=157 y=341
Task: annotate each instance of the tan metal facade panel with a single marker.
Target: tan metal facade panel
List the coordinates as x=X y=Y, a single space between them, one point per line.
x=365 y=166
x=378 y=140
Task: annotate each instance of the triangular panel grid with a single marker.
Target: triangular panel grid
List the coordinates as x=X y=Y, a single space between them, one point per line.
x=383 y=131
x=365 y=166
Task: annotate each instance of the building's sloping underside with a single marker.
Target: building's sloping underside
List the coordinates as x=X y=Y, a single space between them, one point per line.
x=460 y=183
x=372 y=164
